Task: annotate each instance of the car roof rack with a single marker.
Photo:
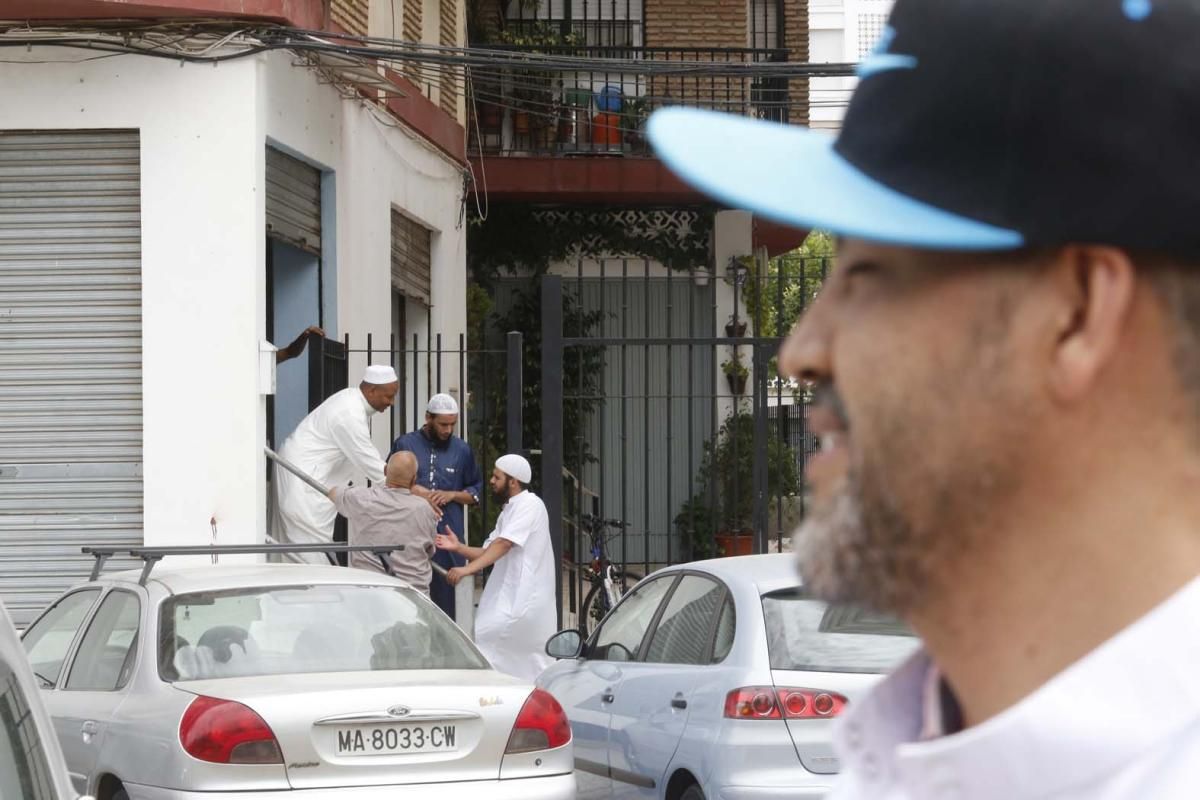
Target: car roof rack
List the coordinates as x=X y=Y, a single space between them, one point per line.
x=152 y=555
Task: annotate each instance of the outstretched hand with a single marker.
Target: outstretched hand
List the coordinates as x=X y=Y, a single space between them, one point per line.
x=447 y=541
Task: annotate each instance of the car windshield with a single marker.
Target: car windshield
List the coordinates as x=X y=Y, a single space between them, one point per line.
x=809 y=635
x=279 y=630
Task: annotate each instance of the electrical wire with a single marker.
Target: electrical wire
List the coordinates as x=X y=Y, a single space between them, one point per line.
x=504 y=77
x=258 y=40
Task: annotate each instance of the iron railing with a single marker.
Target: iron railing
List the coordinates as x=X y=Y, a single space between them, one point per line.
x=603 y=111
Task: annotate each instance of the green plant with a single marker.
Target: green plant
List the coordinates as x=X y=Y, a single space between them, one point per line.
x=634 y=110
x=734 y=368
x=728 y=468
x=696 y=525
x=537 y=91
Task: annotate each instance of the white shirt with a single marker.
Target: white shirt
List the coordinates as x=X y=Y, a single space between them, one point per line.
x=333 y=445
x=517 y=613
x=1122 y=723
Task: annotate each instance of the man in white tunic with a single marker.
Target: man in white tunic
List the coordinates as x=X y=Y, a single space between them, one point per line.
x=1005 y=375
x=333 y=445
x=517 y=610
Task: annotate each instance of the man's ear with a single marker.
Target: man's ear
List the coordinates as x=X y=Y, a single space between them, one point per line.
x=1094 y=289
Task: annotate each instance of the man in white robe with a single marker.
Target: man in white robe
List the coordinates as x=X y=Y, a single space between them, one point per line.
x=517 y=612
x=333 y=445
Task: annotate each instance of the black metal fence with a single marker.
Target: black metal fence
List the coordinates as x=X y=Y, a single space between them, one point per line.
x=590 y=111
x=669 y=415
x=427 y=367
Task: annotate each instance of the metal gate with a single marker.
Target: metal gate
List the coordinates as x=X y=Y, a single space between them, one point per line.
x=656 y=419
x=70 y=367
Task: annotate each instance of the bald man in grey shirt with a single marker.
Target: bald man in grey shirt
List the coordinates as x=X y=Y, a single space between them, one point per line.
x=392 y=514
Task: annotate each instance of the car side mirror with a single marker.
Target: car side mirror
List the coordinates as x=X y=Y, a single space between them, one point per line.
x=565 y=644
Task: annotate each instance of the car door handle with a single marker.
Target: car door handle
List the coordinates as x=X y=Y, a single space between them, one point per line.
x=678 y=702
x=87 y=730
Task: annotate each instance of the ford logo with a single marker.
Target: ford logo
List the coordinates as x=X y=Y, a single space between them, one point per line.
x=399 y=711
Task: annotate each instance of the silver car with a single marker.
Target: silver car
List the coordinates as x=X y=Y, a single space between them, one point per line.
x=31 y=765
x=717 y=679
x=240 y=682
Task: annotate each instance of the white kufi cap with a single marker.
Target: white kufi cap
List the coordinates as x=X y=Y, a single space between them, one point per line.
x=442 y=404
x=380 y=375
x=515 y=466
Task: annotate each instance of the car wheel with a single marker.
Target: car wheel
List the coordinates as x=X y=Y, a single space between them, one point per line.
x=121 y=794
x=693 y=792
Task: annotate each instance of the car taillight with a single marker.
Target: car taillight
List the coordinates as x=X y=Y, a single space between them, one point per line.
x=225 y=732
x=770 y=702
x=541 y=725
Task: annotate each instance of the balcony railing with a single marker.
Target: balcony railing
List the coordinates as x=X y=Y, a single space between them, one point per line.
x=518 y=111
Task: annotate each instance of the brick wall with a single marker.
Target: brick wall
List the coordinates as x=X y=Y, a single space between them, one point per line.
x=696 y=23
x=795 y=34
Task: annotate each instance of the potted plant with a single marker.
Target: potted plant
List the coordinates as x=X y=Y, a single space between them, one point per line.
x=696 y=525
x=633 y=121
x=735 y=328
x=727 y=469
x=736 y=373
x=535 y=94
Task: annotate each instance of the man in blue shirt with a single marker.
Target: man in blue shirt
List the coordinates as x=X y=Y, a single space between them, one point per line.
x=448 y=477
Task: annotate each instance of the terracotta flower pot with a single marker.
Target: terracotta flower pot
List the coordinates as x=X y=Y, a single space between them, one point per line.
x=735 y=544
x=737 y=330
x=737 y=384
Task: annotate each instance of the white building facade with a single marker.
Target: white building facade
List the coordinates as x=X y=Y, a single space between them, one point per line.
x=840 y=31
x=144 y=272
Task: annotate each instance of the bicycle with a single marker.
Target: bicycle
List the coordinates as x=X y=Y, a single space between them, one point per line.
x=609 y=581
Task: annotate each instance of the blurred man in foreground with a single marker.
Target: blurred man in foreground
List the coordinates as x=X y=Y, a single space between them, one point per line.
x=1006 y=366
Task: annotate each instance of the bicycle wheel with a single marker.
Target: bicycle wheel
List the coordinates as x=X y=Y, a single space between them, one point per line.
x=596 y=606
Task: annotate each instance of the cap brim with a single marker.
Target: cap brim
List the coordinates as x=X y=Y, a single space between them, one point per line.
x=794 y=176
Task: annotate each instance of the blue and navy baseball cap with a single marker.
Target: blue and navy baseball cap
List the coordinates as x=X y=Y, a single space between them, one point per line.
x=984 y=125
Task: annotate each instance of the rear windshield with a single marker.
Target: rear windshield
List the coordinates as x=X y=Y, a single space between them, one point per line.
x=807 y=634
x=280 y=630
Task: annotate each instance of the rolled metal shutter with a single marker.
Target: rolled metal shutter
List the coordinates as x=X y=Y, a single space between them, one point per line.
x=71 y=362
x=293 y=201
x=412 y=246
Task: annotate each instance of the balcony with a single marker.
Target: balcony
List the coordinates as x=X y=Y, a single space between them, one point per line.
x=601 y=111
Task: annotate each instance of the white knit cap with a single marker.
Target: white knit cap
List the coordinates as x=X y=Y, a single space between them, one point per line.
x=515 y=466
x=442 y=404
x=380 y=375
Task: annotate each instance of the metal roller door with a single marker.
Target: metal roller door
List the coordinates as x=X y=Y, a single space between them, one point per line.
x=71 y=358
x=412 y=257
x=293 y=201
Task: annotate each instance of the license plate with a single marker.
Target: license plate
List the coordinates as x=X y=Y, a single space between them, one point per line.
x=388 y=739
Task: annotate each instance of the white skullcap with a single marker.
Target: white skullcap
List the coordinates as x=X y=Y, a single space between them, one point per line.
x=515 y=466
x=442 y=404
x=380 y=374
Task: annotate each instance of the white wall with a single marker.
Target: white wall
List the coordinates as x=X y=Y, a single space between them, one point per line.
x=839 y=31
x=202 y=270
x=204 y=130
x=733 y=237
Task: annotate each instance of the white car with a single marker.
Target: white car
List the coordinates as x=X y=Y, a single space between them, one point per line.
x=242 y=682
x=31 y=765
x=717 y=679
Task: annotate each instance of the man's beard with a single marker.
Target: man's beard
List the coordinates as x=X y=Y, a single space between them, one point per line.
x=862 y=551
x=922 y=495
x=502 y=495
x=432 y=434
